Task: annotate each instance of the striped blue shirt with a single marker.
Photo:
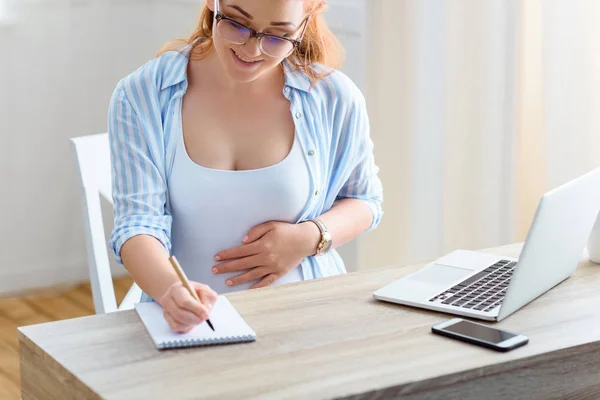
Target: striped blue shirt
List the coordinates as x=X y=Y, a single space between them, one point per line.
x=144 y=122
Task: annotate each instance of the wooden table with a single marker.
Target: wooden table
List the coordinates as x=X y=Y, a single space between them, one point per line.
x=323 y=339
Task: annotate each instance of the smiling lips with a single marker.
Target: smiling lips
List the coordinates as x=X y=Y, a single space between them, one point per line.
x=244 y=61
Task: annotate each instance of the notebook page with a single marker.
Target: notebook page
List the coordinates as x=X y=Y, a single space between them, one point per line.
x=226 y=320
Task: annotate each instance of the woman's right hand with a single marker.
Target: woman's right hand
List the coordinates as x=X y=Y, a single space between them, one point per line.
x=182 y=311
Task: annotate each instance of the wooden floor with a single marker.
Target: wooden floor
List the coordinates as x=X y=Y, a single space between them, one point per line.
x=43 y=306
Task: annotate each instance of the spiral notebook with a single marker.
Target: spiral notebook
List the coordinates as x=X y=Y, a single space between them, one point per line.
x=229 y=326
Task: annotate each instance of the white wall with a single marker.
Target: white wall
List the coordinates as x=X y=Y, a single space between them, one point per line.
x=60 y=61
x=3 y=10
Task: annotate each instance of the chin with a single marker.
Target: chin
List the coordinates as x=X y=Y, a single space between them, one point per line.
x=243 y=72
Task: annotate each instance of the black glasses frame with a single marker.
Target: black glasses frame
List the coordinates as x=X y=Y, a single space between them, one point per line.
x=219 y=16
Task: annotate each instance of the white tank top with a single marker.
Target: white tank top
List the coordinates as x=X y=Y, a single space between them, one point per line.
x=214 y=209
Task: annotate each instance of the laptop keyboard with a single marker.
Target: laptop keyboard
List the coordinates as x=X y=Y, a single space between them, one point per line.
x=483 y=291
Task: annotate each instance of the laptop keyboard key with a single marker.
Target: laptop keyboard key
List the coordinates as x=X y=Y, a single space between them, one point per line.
x=484 y=289
x=451 y=300
x=474 y=278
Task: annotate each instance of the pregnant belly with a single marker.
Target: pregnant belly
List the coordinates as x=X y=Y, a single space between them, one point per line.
x=196 y=256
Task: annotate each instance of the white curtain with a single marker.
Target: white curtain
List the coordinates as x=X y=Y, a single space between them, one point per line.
x=478 y=107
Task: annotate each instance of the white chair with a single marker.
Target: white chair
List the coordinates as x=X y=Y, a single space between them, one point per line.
x=92 y=154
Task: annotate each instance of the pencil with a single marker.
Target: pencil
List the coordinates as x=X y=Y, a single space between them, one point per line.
x=186 y=283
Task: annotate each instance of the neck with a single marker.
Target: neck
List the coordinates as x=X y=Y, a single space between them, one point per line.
x=220 y=79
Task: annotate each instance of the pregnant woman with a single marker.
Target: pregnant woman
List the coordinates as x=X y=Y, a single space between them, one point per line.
x=242 y=151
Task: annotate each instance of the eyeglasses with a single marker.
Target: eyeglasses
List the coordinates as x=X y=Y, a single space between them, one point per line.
x=270 y=45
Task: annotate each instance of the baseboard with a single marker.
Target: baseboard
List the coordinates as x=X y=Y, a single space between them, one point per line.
x=33 y=278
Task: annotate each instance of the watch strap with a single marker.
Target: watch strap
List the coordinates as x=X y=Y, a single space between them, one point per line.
x=320 y=224
x=324 y=238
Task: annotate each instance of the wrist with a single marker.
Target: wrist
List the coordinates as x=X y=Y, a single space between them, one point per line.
x=163 y=294
x=311 y=236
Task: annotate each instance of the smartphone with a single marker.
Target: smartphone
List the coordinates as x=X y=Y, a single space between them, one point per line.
x=479 y=334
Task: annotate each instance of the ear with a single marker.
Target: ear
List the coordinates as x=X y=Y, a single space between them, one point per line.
x=210 y=4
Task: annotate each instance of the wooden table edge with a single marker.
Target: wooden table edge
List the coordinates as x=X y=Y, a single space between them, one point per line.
x=48 y=370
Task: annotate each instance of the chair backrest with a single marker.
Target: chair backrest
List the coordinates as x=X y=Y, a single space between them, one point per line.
x=92 y=154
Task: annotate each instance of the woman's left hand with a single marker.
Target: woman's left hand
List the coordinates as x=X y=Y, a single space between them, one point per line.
x=269 y=252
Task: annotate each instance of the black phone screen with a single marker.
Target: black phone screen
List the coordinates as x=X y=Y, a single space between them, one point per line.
x=480 y=332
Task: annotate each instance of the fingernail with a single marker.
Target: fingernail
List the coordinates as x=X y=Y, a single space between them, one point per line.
x=215 y=270
x=244 y=239
x=210 y=305
x=229 y=283
x=217 y=258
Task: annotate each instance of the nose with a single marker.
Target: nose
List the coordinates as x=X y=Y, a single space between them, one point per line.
x=251 y=48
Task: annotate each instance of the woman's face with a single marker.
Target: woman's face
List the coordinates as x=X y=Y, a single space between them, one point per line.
x=245 y=62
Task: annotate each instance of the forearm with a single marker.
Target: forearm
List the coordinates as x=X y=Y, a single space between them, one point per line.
x=147 y=261
x=346 y=220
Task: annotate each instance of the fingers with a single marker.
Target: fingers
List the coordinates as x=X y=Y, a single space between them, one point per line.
x=208 y=297
x=249 y=276
x=257 y=232
x=188 y=310
x=240 y=264
x=244 y=250
x=182 y=311
x=174 y=325
x=266 y=281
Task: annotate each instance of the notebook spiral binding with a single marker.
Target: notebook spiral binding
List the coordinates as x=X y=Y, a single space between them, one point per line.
x=203 y=342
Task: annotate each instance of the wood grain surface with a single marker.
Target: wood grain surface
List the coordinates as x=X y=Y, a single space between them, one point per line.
x=328 y=338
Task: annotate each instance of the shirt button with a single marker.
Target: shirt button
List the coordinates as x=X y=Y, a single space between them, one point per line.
x=311 y=152
x=287 y=89
x=298 y=115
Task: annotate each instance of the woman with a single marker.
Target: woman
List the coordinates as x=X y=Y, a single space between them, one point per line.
x=244 y=153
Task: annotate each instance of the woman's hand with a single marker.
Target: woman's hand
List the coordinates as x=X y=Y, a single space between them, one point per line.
x=182 y=311
x=269 y=252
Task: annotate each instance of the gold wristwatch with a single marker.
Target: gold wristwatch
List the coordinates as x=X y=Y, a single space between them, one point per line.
x=326 y=240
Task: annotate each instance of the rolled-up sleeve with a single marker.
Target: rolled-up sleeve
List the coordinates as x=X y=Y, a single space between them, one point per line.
x=138 y=187
x=363 y=182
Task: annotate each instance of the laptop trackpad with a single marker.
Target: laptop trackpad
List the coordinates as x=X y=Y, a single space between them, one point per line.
x=443 y=274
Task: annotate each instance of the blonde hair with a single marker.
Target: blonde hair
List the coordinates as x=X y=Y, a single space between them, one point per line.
x=319 y=44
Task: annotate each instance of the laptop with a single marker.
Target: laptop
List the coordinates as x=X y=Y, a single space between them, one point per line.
x=491 y=287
